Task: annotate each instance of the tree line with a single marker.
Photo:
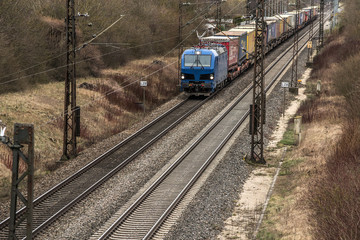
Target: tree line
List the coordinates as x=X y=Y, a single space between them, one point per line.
x=32 y=35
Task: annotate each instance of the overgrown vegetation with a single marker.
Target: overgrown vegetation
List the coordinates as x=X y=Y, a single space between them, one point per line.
x=318 y=189
x=143 y=45
x=334 y=198
x=32 y=35
x=114 y=101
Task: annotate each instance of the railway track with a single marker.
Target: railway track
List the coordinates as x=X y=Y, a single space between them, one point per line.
x=58 y=200
x=55 y=202
x=146 y=215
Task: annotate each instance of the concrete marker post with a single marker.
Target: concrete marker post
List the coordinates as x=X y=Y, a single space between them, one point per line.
x=297 y=129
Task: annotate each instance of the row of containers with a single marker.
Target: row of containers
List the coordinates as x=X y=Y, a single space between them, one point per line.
x=240 y=41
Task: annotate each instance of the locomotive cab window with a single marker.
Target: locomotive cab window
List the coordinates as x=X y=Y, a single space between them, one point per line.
x=197 y=60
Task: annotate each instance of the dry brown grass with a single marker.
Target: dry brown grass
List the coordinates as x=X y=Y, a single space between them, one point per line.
x=316 y=196
x=333 y=197
x=108 y=102
x=287 y=216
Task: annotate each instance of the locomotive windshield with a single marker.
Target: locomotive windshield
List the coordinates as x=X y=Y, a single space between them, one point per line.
x=197 y=60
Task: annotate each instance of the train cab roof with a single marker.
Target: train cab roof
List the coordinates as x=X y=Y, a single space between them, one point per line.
x=215 y=50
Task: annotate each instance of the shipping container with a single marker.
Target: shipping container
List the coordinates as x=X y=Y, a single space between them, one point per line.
x=242 y=35
x=293 y=14
x=307 y=14
x=284 y=20
x=278 y=27
x=311 y=11
x=250 y=38
x=301 y=18
x=232 y=45
x=315 y=10
x=271 y=30
x=290 y=20
x=287 y=21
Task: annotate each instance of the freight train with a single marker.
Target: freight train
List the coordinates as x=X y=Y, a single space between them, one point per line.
x=222 y=57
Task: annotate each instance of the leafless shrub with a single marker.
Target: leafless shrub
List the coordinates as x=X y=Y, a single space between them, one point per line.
x=51 y=166
x=308 y=109
x=336 y=52
x=6 y=159
x=334 y=197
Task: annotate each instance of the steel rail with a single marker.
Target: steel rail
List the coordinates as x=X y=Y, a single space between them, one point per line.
x=40 y=199
x=181 y=195
x=168 y=211
x=92 y=163
x=112 y=172
x=4 y=223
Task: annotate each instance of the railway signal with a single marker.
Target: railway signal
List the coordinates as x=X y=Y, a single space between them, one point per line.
x=23 y=134
x=143 y=84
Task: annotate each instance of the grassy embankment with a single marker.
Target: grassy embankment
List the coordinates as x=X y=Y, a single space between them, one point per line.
x=317 y=192
x=108 y=104
x=316 y=196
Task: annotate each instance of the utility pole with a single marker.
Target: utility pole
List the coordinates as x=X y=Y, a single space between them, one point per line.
x=310 y=50
x=71 y=112
x=181 y=45
x=218 y=14
x=250 y=8
x=181 y=50
x=294 y=73
x=257 y=109
x=321 y=25
x=336 y=6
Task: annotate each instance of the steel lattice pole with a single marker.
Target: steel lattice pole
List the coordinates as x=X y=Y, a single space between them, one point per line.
x=180 y=42
x=310 y=50
x=294 y=73
x=321 y=24
x=257 y=109
x=69 y=139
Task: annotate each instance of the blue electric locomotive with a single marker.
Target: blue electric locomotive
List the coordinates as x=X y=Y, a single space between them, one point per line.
x=203 y=70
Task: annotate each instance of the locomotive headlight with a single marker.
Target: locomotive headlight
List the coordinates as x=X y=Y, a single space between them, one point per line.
x=182 y=76
x=211 y=76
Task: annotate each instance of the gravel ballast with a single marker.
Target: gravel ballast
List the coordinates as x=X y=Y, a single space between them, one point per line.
x=211 y=206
